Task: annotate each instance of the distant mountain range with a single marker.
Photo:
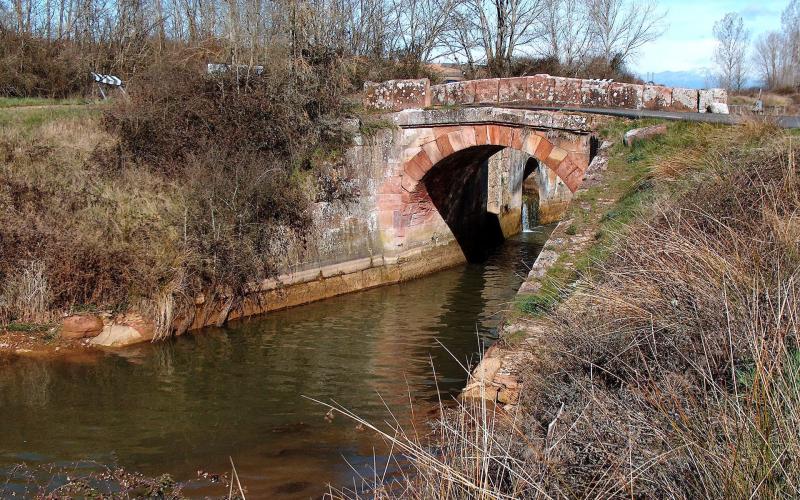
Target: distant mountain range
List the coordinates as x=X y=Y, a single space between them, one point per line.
x=694 y=79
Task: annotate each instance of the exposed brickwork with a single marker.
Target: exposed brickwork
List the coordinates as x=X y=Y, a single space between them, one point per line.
x=539 y=90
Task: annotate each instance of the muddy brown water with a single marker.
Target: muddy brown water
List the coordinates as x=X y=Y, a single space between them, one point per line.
x=241 y=391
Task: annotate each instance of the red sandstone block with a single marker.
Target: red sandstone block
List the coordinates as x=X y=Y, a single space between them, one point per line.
x=625 y=95
x=414 y=169
x=656 y=97
x=594 y=93
x=438 y=95
x=684 y=99
x=531 y=143
x=423 y=161
x=516 y=139
x=481 y=134
x=443 y=143
x=459 y=93
x=543 y=149
x=468 y=133
x=396 y=95
x=457 y=141
x=440 y=131
x=555 y=157
x=540 y=90
x=432 y=150
x=408 y=183
x=505 y=136
x=565 y=168
x=574 y=180
x=486 y=91
x=512 y=89
x=567 y=91
x=493 y=134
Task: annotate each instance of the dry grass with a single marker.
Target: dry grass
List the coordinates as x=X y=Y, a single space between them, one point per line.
x=193 y=185
x=673 y=370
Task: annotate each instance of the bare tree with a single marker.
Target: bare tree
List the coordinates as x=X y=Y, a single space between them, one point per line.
x=421 y=25
x=771 y=59
x=566 y=32
x=790 y=21
x=498 y=29
x=622 y=27
x=730 y=54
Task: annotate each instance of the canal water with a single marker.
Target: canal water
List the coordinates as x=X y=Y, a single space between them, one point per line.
x=242 y=391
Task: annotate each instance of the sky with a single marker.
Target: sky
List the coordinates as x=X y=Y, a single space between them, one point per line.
x=688 y=44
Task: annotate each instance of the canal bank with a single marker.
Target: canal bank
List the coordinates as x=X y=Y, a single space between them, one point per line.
x=238 y=391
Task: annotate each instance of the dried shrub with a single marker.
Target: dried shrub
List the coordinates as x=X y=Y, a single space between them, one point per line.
x=675 y=363
x=200 y=184
x=33 y=66
x=249 y=152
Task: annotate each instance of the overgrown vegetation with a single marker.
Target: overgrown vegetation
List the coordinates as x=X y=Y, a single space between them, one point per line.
x=671 y=370
x=198 y=184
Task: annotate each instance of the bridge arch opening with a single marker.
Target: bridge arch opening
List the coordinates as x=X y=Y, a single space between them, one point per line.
x=444 y=178
x=457 y=186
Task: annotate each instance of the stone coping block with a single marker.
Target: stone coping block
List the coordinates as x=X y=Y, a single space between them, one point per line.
x=538 y=90
x=396 y=95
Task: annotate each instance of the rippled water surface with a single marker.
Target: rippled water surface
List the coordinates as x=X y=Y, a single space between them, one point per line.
x=237 y=391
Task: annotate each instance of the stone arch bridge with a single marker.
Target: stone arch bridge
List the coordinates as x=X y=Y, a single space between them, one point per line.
x=439 y=178
x=444 y=183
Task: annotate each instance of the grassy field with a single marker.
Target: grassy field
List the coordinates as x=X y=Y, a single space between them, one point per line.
x=18 y=102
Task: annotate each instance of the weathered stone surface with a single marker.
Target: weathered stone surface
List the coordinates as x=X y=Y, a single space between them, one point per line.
x=118 y=336
x=486 y=370
x=640 y=134
x=684 y=99
x=459 y=93
x=656 y=97
x=594 y=93
x=567 y=91
x=708 y=96
x=438 y=95
x=81 y=326
x=513 y=89
x=625 y=95
x=480 y=391
x=540 y=90
x=395 y=95
x=718 y=108
x=486 y=91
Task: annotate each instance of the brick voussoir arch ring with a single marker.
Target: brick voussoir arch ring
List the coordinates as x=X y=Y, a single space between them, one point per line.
x=449 y=140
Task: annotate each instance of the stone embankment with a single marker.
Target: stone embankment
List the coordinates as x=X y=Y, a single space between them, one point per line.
x=541 y=91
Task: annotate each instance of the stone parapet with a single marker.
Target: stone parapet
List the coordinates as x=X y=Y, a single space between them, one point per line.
x=540 y=91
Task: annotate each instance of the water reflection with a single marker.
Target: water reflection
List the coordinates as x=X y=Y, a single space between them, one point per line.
x=238 y=391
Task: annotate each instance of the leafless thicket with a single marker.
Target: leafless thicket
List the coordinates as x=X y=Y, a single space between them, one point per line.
x=774 y=56
x=731 y=50
x=124 y=35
